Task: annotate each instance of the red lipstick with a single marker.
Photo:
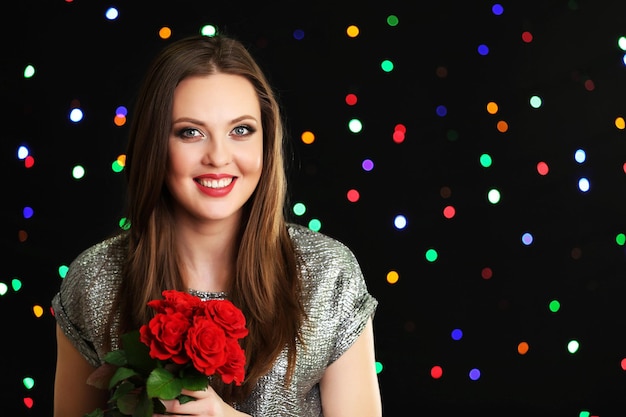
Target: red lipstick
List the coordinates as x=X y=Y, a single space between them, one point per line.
x=215 y=192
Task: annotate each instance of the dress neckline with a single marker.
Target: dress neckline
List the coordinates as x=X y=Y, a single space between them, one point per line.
x=208 y=295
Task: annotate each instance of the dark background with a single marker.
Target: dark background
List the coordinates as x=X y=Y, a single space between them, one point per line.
x=575 y=258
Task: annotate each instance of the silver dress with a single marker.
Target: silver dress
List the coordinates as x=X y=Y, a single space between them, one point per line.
x=337 y=303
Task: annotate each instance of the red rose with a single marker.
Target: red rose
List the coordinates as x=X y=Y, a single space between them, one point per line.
x=165 y=335
x=234 y=367
x=176 y=301
x=229 y=317
x=206 y=345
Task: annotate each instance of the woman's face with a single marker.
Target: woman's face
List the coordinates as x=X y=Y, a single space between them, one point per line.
x=215 y=146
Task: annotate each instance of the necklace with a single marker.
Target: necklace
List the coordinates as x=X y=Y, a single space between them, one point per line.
x=208 y=295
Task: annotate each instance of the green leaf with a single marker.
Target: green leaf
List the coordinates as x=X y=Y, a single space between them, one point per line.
x=136 y=404
x=159 y=407
x=95 y=413
x=123 y=389
x=127 y=404
x=183 y=399
x=121 y=374
x=163 y=384
x=145 y=407
x=116 y=357
x=194 y=381
x=137 y=353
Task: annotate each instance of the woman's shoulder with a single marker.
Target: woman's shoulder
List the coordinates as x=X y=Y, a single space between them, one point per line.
x=307 y=240
x=320 y=252
x=108 y=252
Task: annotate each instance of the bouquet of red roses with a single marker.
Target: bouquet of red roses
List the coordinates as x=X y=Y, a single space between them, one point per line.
x=187 y=341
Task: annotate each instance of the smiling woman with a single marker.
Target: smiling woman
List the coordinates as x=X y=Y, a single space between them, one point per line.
x=216 y=145
x=206 y=194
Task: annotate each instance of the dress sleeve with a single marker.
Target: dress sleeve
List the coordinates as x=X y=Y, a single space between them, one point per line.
x=355 y=305
x=83 y=304
x=69 y=308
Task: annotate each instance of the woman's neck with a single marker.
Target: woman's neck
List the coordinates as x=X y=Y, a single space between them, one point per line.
x=207 y=256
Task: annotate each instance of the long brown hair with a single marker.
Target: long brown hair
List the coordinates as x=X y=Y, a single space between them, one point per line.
x=266 y=285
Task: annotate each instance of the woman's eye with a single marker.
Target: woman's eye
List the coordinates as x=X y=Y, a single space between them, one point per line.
x=242 y=130
x=189 y=133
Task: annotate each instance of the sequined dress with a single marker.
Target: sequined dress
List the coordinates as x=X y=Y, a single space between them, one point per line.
x=336 y=297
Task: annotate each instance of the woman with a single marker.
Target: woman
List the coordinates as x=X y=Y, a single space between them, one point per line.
x=206 y=191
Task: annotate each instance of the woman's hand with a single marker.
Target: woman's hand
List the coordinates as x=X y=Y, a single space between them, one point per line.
x=206 y=404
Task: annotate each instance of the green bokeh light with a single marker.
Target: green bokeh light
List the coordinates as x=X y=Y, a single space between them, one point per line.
x=116 y=167
x=573 y=346
x=299 y=209
x=535 y=102
x=554 y=306
x=431 y=255
x=78 y=172
x=355 y=125
x=386 y=65
x=208 y=30
x=28 y=382
x=493 y=196
x=315 y=225
x=29 y=71
x=63 y=270
x=485 y=160
x=124 y=223
x=392 y=20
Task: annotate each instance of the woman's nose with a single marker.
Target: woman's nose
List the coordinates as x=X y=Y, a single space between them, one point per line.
x=216 y=153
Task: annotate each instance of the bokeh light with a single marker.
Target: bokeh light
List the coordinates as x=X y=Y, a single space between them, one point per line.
x=474 y=374
x=400 y=221
x=352 y=31
x=486 y=273
x=299 y=209
x=431 y=255
x=76 y=115
x=353 y=195
x=583 y=184
x=355 y=125
x=387 y=65
x=165 y=32
x=436 y=372
x=112 y=13
x=449 y=212
x=493 y=196
x=307 y=137
x=208 y=30
x=573 y=346
x=523 y=348
x=29 y=71
x=78 y=172
x=554 y=306
x=535 y=102
x=315 y=225
x=527 y=238
x=392 y=277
